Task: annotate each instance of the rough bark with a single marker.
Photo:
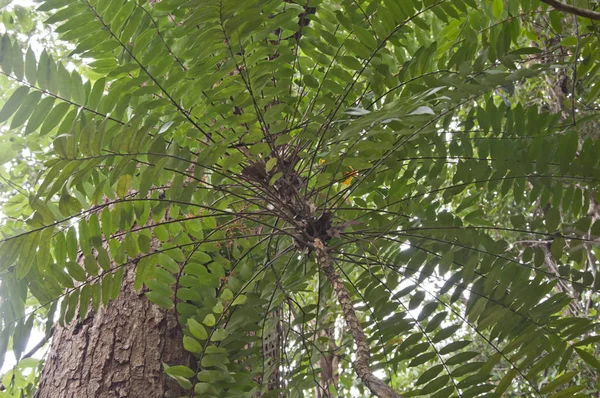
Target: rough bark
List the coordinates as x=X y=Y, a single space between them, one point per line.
x=362 y=365
x=117 y=352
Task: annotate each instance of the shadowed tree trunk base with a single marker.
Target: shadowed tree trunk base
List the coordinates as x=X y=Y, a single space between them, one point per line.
x=116 y=353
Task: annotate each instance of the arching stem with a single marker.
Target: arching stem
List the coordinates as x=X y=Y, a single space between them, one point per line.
x=363 y=353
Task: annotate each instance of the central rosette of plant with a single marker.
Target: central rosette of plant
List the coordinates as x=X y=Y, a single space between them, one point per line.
x=286 y=193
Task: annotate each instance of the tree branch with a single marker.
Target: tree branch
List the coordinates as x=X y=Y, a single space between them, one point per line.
x=363 y=353
x=582 y=12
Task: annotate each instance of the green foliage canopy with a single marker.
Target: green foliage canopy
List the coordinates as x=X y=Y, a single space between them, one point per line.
x=206 y=143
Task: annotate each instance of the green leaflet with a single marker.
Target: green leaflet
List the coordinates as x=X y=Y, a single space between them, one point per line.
x=13 y=103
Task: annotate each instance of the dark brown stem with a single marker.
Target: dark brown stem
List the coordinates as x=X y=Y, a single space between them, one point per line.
x=582 y=12
x=363 y=353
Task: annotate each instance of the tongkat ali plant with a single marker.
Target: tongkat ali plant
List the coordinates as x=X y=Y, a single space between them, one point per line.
x=290 y=200
x=277 y=198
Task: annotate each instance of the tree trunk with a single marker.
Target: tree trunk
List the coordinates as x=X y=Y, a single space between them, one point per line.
x=117 y=352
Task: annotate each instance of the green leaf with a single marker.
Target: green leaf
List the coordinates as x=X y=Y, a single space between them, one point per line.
x=506 y=382
x=214 y=360
x=219 y=335
x=18 y=66
x=160 y=299
x=562 y=379
x=54 y=117
x=556 y=248
x=435 y=385
x=568 y=392
x=159 y=287
x=351 y=62
x=30 y=67
x=27 y=254
x=427 y=310
x=497 y=8
x=96 y=94
x=13 y=103
x=416 y=300
x=180 y=370
x=552 y=219
x=72 y=305
x=365 y=37
x=357 y=48
x=445 y=333
x=190 y=344
x=44 y=70
x=123 y=185
x=52 y=4
x=77 y=90
x=168 y=263
x=270 y=164
x=197 y=329
x=131 y=245
x=569 y=41
x=435 y=321
x=117 y=282
x=556 y=18
x=90 y=265
x=39 y=114
x=429 y=374
x=310 y=81
x=226 y=295
x=239 y=300
x=76 y=271
x=21 y=336
x=588 y=358
x=454 y=346
x=106 y=217
x=84 y=300
x=209 y=320
x=4 y=338
x=6 y=54
x=26 y=109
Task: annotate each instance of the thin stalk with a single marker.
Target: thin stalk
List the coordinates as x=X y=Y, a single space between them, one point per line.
x=363 y=353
